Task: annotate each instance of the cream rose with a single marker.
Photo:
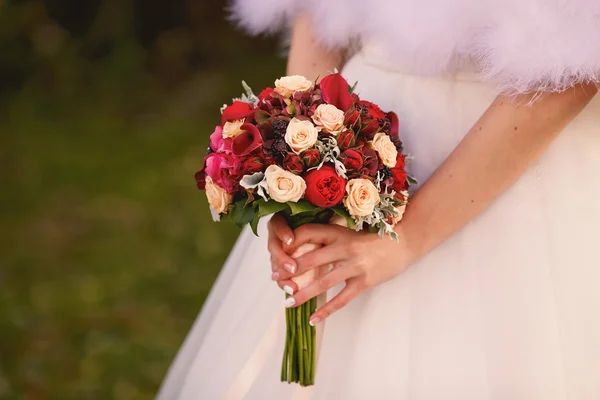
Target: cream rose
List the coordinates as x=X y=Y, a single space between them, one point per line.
x=362 y=197
x=385 y=148
x=329 y=119
x=233 y=128
x=301 y=135
x=217 y=197
x=288 y=85
x=284 y=186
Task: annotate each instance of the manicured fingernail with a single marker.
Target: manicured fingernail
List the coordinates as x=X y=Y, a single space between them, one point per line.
x=288 y=289
x=289 y=267
x=275 y=276
x=289 y=302
x=289 y=240
x=314 y=320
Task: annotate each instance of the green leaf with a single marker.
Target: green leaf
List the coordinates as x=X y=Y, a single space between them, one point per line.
x=262 y=209
x=343 y=213
x=351 y=88
x=241 y=214
x=261 y=116
x=303 y=206
x=411 y=180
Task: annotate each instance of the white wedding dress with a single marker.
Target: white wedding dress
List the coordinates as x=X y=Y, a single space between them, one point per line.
x=509 y=307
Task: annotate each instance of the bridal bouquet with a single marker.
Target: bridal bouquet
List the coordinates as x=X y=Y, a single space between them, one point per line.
x=314 y=153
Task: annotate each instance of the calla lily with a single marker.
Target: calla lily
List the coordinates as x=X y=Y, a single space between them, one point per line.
x=248 y=141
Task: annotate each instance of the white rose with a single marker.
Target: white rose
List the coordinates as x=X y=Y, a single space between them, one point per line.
x=233 y=128
x=217 y=197
x=288 y=85
x=283 y=185
x=385 y=148
x=301 y=135
x=329 y=119
x=362 y=197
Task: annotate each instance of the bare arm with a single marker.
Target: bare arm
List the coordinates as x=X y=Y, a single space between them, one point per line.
x=507 y=138
x=308 y=58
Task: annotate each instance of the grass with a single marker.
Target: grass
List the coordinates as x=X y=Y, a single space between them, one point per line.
x=107 y=249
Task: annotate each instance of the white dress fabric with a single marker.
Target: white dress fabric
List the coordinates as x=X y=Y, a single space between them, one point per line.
x=506 y=309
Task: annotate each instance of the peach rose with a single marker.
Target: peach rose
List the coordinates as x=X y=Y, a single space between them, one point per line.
x=301 y=135
x=217 y=197
x=329 y=119
x=283 y=185
x=385 y=148
x=362 y=197
x=288 y=85
x=232 y=129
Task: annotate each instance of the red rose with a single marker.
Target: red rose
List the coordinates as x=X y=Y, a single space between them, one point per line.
x=399 y=174
x=253 y=164
x=311 y=158
x=370 y=114
x=346 y=139
x=324 y=188
x=369 y=110
x=293 y=163
x=248 y=141
x=352 y=159
x=334 y=90
x=237 y=110
x=265 y=94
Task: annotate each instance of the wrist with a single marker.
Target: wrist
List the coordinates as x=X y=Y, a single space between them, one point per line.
x=407 y=248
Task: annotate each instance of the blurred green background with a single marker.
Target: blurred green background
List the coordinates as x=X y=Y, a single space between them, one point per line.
x=107 y=249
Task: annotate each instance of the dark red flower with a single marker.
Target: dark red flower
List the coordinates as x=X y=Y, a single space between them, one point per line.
x=370 y=161
x=334 y=89
x=353 y=160
x=237 y=110
x=324 y=188
x=370 y=116
x=201 y=179
x=293 y=163
x=252 y=164
x=311 y=158
x=346 y=139
x=248 y=141
x=395 y=124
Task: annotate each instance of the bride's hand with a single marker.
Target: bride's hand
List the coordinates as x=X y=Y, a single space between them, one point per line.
x=279 y=245
x=360 y=259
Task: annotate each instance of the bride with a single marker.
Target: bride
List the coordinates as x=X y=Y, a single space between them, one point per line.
x=492 y=291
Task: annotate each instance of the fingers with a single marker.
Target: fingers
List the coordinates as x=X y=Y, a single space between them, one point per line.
x=350 y=292
x=321 y=256
x=320 y=285
x=288 y=286
x=279 y=226
x=280 y=260
x=316 y=233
